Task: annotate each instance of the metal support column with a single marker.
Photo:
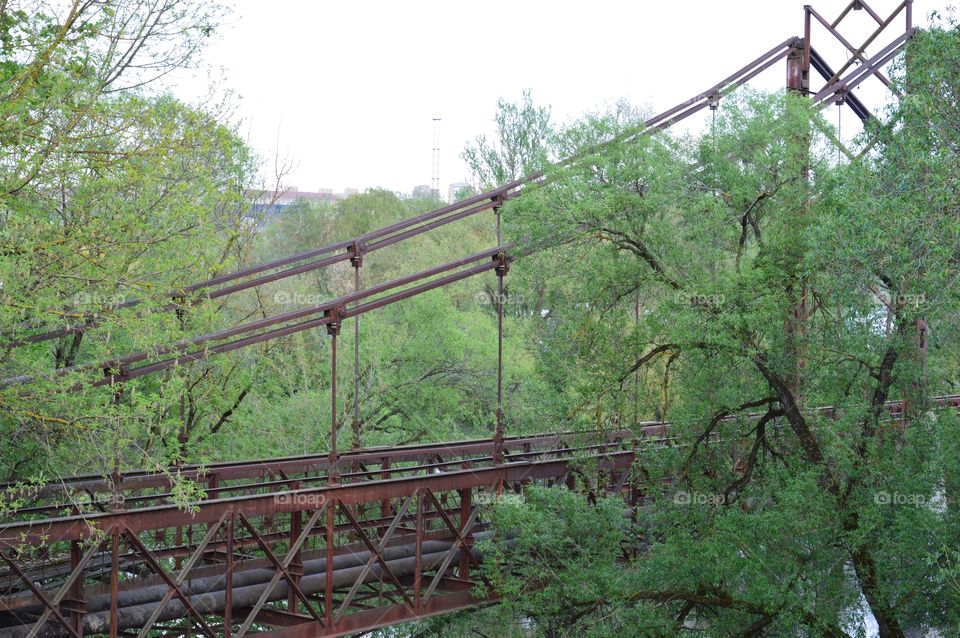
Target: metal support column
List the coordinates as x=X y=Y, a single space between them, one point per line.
x=295 y=569
x=798 y=81
x=228 y=582
x=418 y=553
x=465 y=505
x=114 y=582
x=74 y=603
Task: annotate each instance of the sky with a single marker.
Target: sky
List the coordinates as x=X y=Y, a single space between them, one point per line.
x=344 y=93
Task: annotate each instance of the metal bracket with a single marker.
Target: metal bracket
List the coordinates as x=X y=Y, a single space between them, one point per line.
x=503 y=264
x=356 y=254
x=333 y=328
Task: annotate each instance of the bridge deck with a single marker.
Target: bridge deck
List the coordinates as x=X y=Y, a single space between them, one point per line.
x=278 y=547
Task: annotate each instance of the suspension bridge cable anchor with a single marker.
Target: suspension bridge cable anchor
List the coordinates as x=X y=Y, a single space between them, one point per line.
x=356 y=254
x=503 y=264
x=841 y=96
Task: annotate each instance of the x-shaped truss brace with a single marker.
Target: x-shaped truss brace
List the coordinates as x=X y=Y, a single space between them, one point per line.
x=460 y=541
x=281 y=568
x=375 y=555
x=51 y=606
x=177 y=583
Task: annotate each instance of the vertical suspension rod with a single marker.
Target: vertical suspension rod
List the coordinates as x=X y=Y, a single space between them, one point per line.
x=356 y=261
x=333 y=329
x=501 y=270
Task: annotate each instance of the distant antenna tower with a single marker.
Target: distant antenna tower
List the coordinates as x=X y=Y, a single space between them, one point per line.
x=435 y=180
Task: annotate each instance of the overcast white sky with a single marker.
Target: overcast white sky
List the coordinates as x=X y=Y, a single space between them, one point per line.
x=347 y=90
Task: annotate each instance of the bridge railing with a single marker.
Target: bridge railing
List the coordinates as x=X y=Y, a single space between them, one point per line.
x=333 y=559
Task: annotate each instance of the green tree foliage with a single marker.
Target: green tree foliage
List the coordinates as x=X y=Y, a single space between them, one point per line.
x=739 y=271
x=110 y=190
x=427 y=364
x=113 y=190
x=519 y=148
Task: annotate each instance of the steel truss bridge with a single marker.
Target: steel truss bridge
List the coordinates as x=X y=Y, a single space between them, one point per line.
x=337 y=543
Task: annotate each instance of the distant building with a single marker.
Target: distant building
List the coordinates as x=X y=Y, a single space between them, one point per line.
x=271 y=202
x=456 y=188
x=423 y=191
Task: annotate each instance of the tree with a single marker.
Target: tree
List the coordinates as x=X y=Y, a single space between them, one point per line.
x=812 y=514
x=110 y=190
x=520 y=145
x=427 y=364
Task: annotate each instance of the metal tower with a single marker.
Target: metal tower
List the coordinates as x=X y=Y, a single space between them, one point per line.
x=435 y=179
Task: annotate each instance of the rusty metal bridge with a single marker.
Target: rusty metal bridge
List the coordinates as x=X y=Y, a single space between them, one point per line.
x=336 y=543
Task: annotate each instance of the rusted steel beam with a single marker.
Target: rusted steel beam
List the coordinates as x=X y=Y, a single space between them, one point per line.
x=713 y=99
x=843 y=14
x=366 y=621
x=850 y=99
x=857 y=53
x=124 y=372
x=239 y=470
x=502 y=267
x=385 y=237
x=214 y=601
x=861 y=73
x=459 y=453
x=205 y=512
x=776 y=51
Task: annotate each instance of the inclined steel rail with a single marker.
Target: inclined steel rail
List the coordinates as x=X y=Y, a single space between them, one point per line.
x=133 y=489
x=354 y=249
x=338 y=543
